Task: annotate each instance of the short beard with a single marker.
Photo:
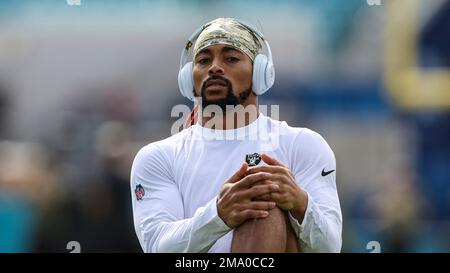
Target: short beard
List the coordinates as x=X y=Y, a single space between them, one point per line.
x=230 y=98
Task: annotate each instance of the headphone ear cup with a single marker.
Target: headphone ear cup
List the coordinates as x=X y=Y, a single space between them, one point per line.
x=260 y=80
x=185 y=82
x=270 y=75
x=258 y=73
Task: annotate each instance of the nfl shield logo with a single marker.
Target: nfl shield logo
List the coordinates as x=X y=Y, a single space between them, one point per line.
x=139 y=191
x=252 y=159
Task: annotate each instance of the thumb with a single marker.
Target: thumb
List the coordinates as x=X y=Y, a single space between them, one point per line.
x=270 y=161
x=239 y=174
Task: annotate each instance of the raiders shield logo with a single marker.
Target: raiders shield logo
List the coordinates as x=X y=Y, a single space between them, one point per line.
x=252 y=159
x=139 y=191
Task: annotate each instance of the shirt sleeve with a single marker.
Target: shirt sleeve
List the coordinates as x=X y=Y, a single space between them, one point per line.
x=158 y=213
x=321 y=228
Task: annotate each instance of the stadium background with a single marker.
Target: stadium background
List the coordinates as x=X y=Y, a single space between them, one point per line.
x=83 y=87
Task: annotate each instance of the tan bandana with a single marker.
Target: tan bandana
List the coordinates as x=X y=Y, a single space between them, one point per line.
x=228 y=31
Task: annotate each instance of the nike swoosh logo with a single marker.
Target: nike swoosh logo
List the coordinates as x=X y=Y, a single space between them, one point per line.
x=324 y=173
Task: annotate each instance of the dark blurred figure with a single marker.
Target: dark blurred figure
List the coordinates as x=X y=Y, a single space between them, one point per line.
x=95 y=207
x=4 y=110
x=433 y=127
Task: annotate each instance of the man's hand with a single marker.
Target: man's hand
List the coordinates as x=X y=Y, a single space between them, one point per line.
x=235 y=203
x=289 y=196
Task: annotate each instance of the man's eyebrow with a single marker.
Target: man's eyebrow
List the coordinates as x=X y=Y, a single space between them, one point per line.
x=204 y=51
x=224 y=50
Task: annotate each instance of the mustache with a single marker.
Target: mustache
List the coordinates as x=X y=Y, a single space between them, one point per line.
x=216 y=80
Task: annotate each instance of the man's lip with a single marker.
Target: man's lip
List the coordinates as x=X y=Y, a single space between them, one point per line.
x=216 y=87
x=216 y=82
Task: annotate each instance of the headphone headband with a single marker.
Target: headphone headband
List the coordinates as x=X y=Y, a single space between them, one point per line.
x=192 y=39
x=263 y=70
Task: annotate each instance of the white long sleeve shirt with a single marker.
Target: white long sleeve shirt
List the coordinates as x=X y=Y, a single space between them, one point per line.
x=175 y=183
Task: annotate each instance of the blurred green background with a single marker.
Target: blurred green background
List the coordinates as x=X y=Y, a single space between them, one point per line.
x=83 y=87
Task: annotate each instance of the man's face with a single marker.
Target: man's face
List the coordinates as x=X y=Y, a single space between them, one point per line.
x=223 y=76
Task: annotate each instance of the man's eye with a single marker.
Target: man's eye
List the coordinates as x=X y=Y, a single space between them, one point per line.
x=232 y=59
x=203 y=61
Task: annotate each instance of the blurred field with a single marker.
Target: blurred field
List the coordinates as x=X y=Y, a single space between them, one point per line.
x=82 y=88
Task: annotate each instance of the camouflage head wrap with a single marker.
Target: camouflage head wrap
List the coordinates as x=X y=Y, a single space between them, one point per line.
x=228 y=31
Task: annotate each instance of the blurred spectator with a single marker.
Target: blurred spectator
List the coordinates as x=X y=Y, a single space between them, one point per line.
x=27 y=187
x=398 y=205
x=4 y=110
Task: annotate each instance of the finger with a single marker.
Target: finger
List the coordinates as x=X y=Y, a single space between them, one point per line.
x=264 y=182
x=271 y=169
x=259 y=205
x=239 y=174
x=264 y=197
x=271 y=161
x=281 y=179
x=267 y=169
x=251 y=214
x=270 y=197
x=251 y=179
x=259 y=190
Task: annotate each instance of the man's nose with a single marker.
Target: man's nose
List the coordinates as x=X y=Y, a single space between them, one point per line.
x=216 y=68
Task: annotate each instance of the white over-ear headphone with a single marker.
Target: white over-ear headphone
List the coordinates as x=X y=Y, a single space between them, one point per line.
x=263 y=70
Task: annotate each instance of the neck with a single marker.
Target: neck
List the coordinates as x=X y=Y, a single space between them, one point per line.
x=232 y=118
